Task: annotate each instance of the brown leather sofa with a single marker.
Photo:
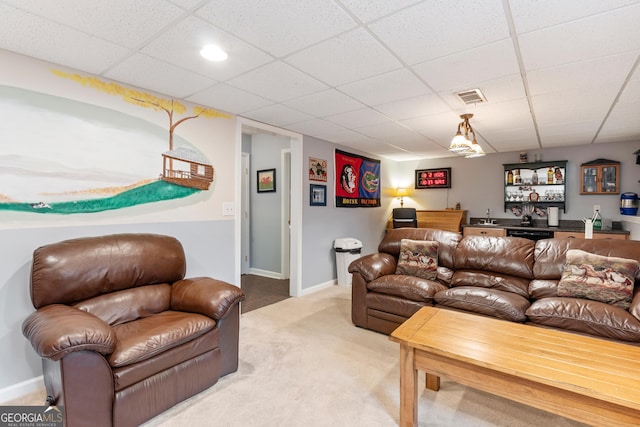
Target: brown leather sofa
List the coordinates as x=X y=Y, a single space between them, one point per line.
x=509 y=278
x=122 y=334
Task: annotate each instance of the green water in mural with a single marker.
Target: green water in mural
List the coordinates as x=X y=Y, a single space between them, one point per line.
x=148 y=193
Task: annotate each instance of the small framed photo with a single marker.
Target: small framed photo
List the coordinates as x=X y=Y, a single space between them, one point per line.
x=317 y=195
x=317 y=169
x=266 y=181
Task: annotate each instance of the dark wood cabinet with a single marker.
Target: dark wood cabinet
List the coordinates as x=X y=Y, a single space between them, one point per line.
x=540 y=183
x=600 y=176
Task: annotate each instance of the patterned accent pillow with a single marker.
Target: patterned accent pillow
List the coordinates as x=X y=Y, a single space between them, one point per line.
x=418 y=258
x=599 y=278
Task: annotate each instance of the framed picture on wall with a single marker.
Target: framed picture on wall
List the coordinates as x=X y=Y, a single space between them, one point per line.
x=317 y=169
x=266 y=181
x=317 y=195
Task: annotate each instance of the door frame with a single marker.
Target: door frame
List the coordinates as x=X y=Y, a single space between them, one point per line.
x=296 y=191
x=245 y=210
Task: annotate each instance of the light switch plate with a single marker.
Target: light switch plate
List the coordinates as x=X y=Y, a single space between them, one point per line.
x=228 y=209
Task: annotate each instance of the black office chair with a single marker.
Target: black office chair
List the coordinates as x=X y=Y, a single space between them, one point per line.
x=405 y=218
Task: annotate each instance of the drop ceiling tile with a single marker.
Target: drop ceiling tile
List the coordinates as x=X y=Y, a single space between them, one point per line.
x=508 y=139
x=575 y=133
x=186 y=4
x=436 y=153
x=592 y=37
x=358 y=118
x=369 y=10
x=318 y=128
x=501 y=90
x=414 y=107
x=390 y=132
x=345 y=58
x=438 y=127
x=630 y=96
x=230 y=99
x=388 y=87
x=559 y=107
x=430 y=30
x=504 y=115
x=23 y=32
x=621 y=125
x=325 y=103
x=608 y=70
x=278 y=82
x=158 y=76
x=352 y=137
x=278 y=115
x=460 y=70
x=534 y=15
x=181 y=44
x=278 y=27
x=125 y=22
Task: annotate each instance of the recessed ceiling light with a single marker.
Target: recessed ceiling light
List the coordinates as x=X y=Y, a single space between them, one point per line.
x=213 y=53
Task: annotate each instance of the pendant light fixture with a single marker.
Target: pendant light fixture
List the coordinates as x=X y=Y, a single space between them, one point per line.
x=464 y=145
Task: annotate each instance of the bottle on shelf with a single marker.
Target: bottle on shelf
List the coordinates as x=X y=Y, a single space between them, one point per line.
x=517 y=179
x=509 y=178
x=534 y=177
x=550 y=175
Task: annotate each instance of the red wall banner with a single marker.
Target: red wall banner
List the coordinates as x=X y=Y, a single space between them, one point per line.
x=357 y=180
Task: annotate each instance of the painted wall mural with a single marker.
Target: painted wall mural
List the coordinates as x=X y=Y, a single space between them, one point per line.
x=60 y=156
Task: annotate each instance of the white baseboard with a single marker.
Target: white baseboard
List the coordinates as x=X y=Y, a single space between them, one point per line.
x=266 y=273
x=320 y=286
x=18 y=390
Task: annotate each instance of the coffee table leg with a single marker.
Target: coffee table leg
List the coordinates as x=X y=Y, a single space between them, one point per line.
x=408 y=387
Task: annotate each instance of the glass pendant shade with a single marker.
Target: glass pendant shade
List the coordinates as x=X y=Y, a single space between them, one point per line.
x=459 y=144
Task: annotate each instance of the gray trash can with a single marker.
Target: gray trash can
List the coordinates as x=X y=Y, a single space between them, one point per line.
x=347 y=250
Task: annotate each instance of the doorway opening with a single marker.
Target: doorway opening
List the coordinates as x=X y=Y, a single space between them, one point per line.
x=289 y=178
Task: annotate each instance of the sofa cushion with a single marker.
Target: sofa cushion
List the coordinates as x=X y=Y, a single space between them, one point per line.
x=145 y=338
x=599 y=278
x=448 y=241
x=490 y=302
x=418 y=258
x=512 y=256
x=586 y=316
x=491 y=280
x=409 y=287
x=541 y=288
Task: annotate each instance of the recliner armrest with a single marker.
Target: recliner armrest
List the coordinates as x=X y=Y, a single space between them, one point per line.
x=373 y=266
x=56 y=330
x=204 y=295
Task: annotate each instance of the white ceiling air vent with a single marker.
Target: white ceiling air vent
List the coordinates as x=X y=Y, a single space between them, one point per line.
x=471 y=96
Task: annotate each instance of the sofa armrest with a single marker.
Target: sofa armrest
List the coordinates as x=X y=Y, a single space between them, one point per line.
x=203 y=295
x=373 y=266
x=56 y=330
x=634 y=308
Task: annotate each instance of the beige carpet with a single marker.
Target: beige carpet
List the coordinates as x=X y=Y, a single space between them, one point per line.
x=303 y=363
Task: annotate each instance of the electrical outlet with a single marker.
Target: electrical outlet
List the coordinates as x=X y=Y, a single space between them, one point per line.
x=228 y=209
x=596 y=208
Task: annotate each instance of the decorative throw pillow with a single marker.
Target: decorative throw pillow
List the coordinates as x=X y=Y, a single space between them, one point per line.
x=418 y=258
x=599 y=278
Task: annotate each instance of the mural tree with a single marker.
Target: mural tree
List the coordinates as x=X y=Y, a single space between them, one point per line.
x=145 y=100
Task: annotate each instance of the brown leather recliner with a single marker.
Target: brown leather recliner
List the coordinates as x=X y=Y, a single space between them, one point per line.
x=122 y=334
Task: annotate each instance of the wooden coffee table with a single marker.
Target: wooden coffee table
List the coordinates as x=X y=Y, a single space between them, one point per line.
x=587 y=379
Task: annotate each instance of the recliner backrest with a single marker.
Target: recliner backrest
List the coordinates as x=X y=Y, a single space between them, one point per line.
x=78 y=269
